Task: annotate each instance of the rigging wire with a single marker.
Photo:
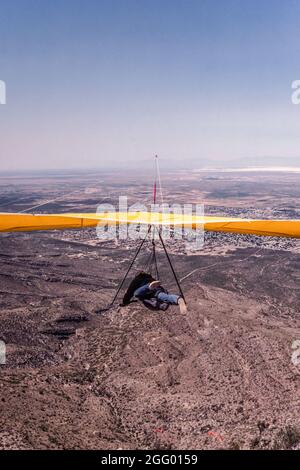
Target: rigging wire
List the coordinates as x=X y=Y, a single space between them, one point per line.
x=151 y=261
x=159 y=179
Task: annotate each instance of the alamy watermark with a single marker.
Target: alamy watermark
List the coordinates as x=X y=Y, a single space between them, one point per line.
x=2 y=92
x=2 y=353
x=296 y=352
x=295 y=97
x=173 y=222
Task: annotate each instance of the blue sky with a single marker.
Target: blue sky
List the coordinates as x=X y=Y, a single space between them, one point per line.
x=104 y=83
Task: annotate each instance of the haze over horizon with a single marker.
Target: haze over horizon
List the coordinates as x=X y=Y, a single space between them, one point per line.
x=111 y=83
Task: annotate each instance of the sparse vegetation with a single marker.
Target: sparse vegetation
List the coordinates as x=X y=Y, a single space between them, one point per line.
x=170 y=381
x=287 y=438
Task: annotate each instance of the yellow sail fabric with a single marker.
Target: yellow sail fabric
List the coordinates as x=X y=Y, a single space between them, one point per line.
x=29 y=222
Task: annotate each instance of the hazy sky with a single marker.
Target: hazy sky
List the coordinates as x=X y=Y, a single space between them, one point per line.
x=102 y=83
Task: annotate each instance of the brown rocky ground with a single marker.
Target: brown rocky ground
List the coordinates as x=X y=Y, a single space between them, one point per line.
x=221 y=377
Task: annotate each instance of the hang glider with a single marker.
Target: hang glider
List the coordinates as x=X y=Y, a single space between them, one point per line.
x=14 y=222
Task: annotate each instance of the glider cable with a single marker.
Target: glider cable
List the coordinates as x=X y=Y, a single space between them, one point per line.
x=151 y=263
x=128 y=270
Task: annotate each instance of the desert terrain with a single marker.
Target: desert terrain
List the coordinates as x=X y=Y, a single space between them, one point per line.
x=220 y=377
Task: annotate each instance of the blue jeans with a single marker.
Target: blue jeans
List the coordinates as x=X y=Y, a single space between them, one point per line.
x=143 y=292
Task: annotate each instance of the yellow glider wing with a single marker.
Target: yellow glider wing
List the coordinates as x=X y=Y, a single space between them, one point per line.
x=11 y=222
